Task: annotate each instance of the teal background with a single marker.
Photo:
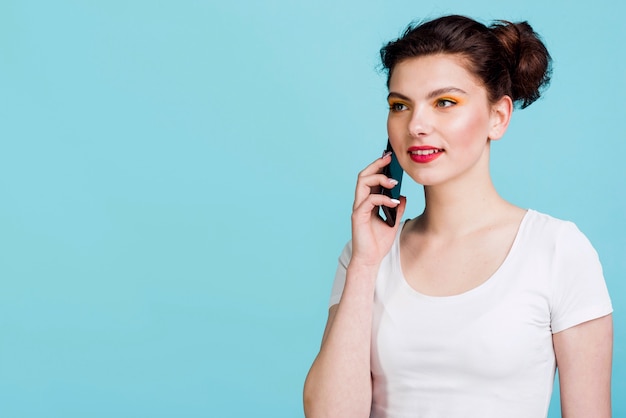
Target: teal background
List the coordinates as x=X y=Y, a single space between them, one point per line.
x=176 y=179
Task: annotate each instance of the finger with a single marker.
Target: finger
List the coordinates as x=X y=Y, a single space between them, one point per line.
x=369 y=207
x=377 y=165
x=371 y=184
x=366 y=181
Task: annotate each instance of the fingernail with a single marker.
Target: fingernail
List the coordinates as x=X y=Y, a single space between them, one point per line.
x=395 y=201
x=386 y=154
x=393 y=181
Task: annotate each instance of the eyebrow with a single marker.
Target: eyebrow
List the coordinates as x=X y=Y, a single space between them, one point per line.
x=431 y=95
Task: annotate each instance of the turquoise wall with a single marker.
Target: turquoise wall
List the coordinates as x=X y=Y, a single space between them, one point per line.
x=176 y=179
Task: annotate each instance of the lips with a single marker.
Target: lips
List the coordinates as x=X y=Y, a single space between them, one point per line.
x=425 y=154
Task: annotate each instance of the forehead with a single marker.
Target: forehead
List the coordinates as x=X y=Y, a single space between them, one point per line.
x=431 y=72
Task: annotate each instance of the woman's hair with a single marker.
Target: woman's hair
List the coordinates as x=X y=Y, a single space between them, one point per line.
x=509 y=58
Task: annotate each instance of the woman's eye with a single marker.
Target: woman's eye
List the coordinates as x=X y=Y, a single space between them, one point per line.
x=397 y=107
x=445 y=103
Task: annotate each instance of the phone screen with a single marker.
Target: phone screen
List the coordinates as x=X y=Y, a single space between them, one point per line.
x=394 y=171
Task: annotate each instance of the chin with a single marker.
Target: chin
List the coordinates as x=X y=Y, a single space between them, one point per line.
x=425 y=180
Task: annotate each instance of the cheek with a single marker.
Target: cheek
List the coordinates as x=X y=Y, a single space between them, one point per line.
x=395 y=130
x=392 y=125
x=468 y=129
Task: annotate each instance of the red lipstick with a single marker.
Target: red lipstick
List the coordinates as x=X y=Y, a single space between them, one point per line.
x=424 y=154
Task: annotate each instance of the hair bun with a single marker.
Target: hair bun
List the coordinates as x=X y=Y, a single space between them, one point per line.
x=529 y=63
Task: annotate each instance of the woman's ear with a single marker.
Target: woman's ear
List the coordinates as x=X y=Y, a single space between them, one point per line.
x=500 y=117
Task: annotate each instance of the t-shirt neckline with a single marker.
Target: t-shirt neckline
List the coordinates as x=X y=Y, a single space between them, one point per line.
x=491 y=280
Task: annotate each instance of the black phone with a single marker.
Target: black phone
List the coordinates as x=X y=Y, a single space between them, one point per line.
x=394 y=171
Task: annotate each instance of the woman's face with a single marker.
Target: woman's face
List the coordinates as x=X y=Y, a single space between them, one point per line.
x=440 y=120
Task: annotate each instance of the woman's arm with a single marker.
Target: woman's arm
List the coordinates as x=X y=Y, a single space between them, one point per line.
x=583 y=356
x=339 y=383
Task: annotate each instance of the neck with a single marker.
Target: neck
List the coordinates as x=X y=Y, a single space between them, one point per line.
x=462 y=205
x=458 y=213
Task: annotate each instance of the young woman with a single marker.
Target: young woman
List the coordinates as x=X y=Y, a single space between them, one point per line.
x=467 y=309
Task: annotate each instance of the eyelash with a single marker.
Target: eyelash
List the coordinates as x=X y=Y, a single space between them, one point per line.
x=395 y=107
x=445 y=102
x=439 y=103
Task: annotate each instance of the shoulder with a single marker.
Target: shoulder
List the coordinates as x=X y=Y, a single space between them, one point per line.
x=563 y=249
x=557 y=247
x=541 y=222
x=565 y=260
x=549 y=232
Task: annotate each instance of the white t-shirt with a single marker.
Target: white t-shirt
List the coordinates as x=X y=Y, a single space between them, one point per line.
x=486 y=353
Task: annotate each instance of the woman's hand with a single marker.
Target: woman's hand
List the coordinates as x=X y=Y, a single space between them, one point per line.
x=371 y=236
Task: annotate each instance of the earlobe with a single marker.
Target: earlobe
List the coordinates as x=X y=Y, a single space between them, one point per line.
x=500 y=117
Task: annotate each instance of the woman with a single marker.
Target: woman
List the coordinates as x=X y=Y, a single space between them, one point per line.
x=465 y=310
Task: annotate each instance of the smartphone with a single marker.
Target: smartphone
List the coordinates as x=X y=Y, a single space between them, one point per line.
x=394 y=171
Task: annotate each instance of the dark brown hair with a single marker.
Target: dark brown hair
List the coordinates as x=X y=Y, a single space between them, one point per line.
x=509 y=58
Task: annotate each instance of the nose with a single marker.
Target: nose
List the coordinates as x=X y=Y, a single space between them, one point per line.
x=419 y=124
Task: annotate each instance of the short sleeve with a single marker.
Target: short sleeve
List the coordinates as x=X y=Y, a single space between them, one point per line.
x=579 y=291
x=340 y=275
